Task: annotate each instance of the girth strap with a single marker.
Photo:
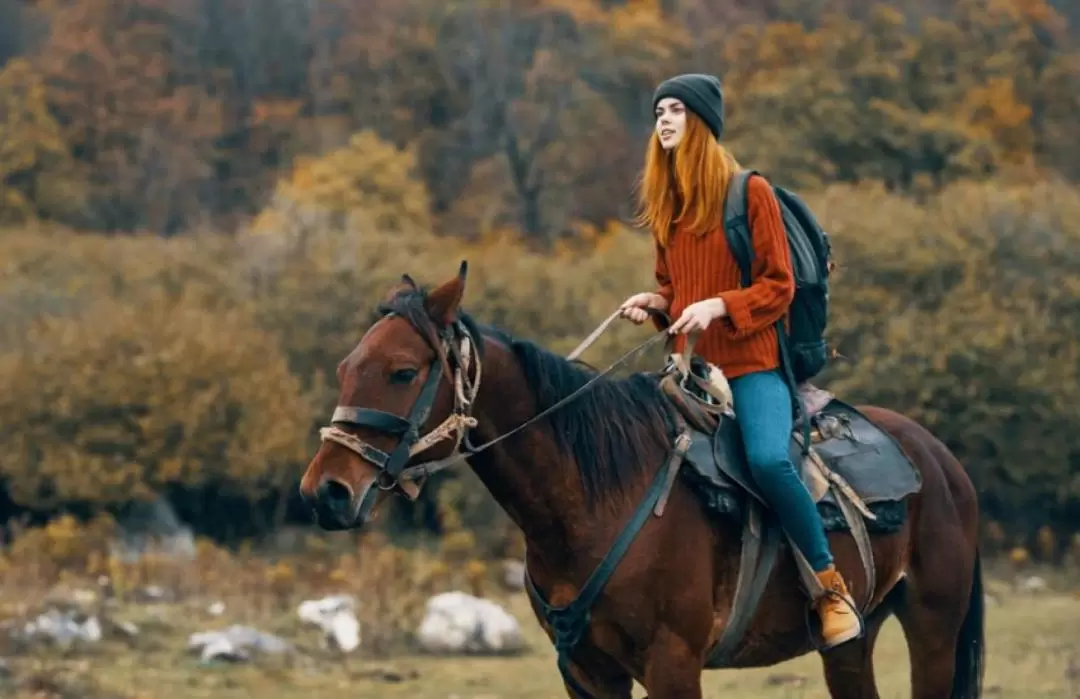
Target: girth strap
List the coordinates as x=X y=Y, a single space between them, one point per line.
x=570 y=622
x=760 y=545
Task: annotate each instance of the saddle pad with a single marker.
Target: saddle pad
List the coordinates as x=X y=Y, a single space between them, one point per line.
x=868 y=458
x=865 y=455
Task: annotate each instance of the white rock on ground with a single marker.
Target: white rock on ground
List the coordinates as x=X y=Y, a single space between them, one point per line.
x=455 y=622
x=336 y=616
x=235 y=643
x=514 y=575
x=1033 y=584
x=153 y=526
x=64 y=628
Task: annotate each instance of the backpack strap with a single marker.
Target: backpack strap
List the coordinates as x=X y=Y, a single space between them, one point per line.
x=737 y=230
x=737 y=223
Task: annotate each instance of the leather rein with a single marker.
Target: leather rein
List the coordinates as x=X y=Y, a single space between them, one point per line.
x=457 y=349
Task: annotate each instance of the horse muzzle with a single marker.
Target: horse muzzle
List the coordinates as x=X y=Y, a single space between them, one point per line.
x=336 y=506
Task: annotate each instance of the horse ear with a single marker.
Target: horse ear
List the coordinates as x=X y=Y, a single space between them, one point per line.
x=444 y=300
x=403 y=285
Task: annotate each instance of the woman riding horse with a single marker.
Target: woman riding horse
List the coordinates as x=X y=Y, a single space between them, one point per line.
x=686 y=177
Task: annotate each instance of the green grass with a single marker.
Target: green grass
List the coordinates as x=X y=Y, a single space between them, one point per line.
x=1031 y=641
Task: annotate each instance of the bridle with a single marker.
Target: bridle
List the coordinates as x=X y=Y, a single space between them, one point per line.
x=460 y=351
x=454 y=341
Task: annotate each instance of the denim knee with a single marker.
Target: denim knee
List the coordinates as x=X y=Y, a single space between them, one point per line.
x=771 y=469
x=766 y=454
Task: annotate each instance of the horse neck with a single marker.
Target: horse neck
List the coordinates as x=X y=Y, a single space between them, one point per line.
x=537 y=485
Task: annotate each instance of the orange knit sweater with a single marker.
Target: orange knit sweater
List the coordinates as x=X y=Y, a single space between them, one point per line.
x=696 y=267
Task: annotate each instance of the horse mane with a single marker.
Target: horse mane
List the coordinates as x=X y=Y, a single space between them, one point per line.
x=607 y=430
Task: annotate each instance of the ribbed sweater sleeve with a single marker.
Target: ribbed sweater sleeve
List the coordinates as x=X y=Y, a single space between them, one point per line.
x=663 y=277
x=766 y=300
x=664 y=286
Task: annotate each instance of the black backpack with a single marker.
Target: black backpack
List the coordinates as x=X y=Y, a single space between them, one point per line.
x=803 y=350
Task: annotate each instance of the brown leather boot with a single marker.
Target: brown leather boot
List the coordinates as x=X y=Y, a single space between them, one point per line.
x=840 y=619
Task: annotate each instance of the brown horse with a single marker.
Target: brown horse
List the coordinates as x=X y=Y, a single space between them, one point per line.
x=579 y=459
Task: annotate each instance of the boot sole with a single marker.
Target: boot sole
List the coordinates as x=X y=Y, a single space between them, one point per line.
x=843 y=638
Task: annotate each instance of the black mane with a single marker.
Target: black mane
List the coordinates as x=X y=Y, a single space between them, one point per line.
x=607 y=430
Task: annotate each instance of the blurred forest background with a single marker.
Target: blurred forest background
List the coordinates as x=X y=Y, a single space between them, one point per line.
x=201 y=201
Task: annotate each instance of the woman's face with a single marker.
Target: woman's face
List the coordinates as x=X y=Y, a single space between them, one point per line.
x=670 y=122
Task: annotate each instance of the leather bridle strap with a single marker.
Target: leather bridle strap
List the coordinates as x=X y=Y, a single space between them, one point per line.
x=408 y=429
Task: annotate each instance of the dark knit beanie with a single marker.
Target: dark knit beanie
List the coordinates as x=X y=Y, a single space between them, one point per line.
x=700 y=93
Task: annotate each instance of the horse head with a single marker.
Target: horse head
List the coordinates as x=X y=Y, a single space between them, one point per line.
x=406 y=388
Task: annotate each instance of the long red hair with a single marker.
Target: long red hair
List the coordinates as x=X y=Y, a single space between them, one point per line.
x=687 y=186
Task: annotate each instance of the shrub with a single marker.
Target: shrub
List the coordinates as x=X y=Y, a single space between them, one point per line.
x=121 y=399
x=138 y=362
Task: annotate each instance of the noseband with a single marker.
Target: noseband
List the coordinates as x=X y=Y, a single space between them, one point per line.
x=459 y=349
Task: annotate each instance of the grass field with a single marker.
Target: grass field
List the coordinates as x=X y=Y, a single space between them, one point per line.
x=1032 y=641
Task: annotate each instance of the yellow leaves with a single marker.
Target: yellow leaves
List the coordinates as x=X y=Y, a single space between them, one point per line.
x=114 y=398
x=37 y=173
x=599 y=240
x=1019 y=556
x=14 y=206
x=953 y=98
x=582 y=11
x=456 y=546
x=995 y=109
x=368 y=182
x=476 y=573
x=63 y=543
x=271 y=112
x=281 y=577
x=784 y=44
x=762 y=54
x=1031 y=12
x=61 y=536
x=26 y=119
x=639 y=32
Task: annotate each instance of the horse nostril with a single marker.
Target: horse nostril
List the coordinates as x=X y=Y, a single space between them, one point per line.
x=334 y=493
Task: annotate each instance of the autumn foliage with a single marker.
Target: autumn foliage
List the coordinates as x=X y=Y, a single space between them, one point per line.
x=191 y=360
x=343 y=143
x=527 y=115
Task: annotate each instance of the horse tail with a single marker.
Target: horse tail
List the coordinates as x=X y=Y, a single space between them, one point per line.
x=971 y=642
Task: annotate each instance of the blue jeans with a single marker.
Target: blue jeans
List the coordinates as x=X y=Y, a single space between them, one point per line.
x=763 y=409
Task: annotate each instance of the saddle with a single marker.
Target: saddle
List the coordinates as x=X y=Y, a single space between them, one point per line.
x=855 y=472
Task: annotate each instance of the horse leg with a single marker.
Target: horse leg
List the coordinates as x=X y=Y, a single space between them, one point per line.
x=942 y=608
x=673 y=668
x=931 y=631
x=849 y=669
x=942 y=620
x=942 y=613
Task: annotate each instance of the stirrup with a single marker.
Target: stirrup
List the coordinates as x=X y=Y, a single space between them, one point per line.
x=810 y=609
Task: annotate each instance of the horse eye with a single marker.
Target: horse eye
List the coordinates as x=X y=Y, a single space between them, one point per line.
x=403 y=376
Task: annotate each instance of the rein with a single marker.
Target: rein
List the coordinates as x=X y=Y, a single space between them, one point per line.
x=430 y=467
x=392 y=468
